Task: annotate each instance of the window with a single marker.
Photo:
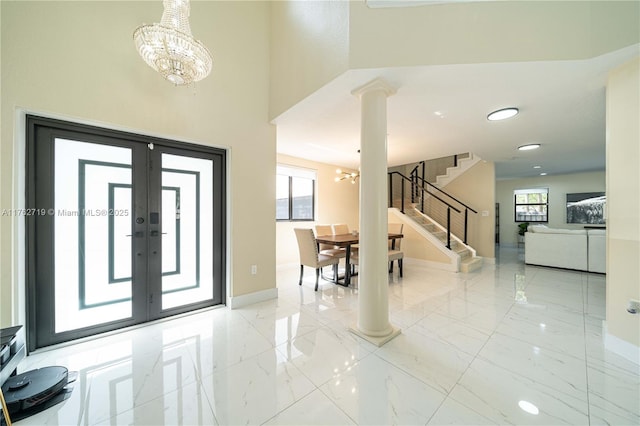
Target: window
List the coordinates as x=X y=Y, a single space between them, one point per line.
x=531 y=205
x=295 y=193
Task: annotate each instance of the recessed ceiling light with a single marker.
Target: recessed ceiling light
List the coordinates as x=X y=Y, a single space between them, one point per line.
x=502 y=114
x=537 y=167
x=543 y=174
x=529 y=147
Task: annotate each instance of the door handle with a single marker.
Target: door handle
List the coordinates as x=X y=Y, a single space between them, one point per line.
x=153 y=233
x=137 y=234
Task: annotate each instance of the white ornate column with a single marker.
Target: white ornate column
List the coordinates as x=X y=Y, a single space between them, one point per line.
x=373 y=276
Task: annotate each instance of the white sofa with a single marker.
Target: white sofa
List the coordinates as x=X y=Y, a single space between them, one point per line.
x=597 y=250
x=577 y=249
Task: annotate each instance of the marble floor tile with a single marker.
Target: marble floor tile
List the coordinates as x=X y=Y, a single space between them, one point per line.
x=255 y=390
x=452 y=412
x=481 y=317
x=314 y=409
x=374 y=392
x=280 y=328
x=224 y=345
x=507 y=344
x=436 y=363
x=505 y=397
x=614 y=392
x=185 y=406
x=455 y=333
x=324 y=353
x=546 y=329
x=556 y=370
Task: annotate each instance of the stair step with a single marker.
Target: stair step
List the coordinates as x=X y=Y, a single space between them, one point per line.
x=471 y=264
x=464 y=253
x=468 y=262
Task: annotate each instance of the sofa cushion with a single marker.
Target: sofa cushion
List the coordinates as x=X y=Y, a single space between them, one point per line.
x=545 y=230
x=536 y=228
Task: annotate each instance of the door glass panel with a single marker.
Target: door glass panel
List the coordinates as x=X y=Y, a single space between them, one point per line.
x=187 y=230
x=92 y=232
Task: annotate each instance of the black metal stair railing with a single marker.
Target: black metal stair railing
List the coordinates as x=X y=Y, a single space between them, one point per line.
x=436 y=201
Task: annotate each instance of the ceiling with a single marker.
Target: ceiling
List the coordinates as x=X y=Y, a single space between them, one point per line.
x=441 y=110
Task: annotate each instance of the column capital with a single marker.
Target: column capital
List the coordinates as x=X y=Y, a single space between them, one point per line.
x=374 y=85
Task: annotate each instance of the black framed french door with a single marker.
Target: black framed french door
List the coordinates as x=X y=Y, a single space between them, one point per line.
x=125 y=229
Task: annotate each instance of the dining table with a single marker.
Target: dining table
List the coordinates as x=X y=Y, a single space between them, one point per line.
x=346 y=241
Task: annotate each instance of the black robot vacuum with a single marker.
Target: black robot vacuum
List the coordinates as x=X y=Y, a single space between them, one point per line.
x=33 y=390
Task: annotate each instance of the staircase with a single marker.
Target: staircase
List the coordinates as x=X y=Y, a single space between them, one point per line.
x=468 y=261
x=464 y=164
x=463 y=257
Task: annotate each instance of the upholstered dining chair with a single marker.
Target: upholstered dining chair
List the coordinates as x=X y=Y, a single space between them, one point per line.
x=395 y=253
x=328 y=249
x=309 y=256
x=340 y=228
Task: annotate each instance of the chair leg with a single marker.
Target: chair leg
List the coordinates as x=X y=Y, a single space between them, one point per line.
x=301 y=268
x=391 y=267
x=322 y=274
x=400 y=266
x=317 y=277
x=335 y=273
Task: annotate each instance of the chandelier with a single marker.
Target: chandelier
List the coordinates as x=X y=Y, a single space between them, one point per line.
x=169 y=47
x=345 y=175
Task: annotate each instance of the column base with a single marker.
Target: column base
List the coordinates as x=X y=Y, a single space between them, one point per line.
x=376 y=340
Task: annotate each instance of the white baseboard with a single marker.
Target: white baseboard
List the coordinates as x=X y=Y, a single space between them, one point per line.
x=251 y=298
x=620 y=347
x=430 y=264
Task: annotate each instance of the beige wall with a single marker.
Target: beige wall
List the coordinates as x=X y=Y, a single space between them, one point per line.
x=77 y=60
x=623 y=201
x=336 y=202
x=476 y=188
x=481 y=32
x=309 y=48
x=559 y=186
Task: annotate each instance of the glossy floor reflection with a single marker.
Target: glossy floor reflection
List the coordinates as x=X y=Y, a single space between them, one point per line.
x=510 y=344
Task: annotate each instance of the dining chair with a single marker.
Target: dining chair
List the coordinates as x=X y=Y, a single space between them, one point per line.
x=395 y=253
x=309 y=255
x=340 y=228
x=328 y=249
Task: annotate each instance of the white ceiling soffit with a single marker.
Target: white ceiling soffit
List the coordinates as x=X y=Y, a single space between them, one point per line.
x=441 y=110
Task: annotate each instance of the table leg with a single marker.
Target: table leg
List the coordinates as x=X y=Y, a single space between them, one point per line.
x=347 y=266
